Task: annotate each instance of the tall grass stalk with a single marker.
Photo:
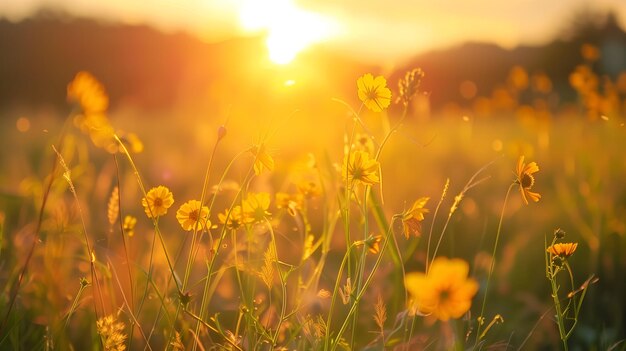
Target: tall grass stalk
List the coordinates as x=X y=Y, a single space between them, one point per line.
x=481 y=317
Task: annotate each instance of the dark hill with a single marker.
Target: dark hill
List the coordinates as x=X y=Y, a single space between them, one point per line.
x=142 y=66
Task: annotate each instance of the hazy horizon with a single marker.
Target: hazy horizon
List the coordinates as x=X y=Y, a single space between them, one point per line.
x=369 y=32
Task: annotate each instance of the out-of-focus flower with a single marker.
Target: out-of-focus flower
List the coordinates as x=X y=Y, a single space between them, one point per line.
x=373 y=92
x=255 y=206
x=412 y=219
x=443 y=293
x=192 y=216
x=87 y=91
x=157 y=201
x=233 y=220
x=526 y=180
x=363 y=142
x=129 y=225
x=309 y=189
x=589 y=52
x=358 y=167
x=291 y=203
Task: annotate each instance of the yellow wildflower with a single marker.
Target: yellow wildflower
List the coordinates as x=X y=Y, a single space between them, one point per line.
x=526 y=180
x=157 y=201
x=255 y=206
x=412 y=219
x=373 y=92
x=192 y=216
x=443 y=293
x=358 y=167
x=233 y=220
x=562 y=249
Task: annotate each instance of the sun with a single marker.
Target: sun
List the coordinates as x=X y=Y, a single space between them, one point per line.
x=289 y=28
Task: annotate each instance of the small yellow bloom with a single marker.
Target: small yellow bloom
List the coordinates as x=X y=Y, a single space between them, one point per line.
x=412 y=219
x=562 y=249
x=157 y=201
x=373 y=92
x=262 y=159
x=526 y=180
x=192 y=216
x=129 y=225
x=358 y=167
x=233 y=220
x=443 y=293
x=255 y=206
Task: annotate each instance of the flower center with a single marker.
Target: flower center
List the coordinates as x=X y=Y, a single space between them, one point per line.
x=193 y=215
x=444 y=296
x=372 y=93
x=527 y=180
x=158 y=202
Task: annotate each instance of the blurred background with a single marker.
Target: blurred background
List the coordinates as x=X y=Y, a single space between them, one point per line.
x=502 y=79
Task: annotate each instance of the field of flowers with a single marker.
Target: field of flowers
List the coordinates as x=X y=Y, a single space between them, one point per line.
x=494 y=226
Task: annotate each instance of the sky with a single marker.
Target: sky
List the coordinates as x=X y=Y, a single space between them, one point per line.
x=388 y=31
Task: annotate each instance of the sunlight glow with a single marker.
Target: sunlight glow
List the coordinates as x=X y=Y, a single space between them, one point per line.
x=289 y=29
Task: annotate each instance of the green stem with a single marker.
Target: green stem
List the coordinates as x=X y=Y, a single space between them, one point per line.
x=481 y=318
x=363 y=290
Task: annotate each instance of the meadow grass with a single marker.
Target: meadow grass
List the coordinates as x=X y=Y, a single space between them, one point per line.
x=343 y=249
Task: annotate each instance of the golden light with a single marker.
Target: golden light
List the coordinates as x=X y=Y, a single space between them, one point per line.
x=289 y=29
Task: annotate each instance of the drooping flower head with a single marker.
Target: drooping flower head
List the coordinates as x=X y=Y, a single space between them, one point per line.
x=526 y=180
x=191 y=216
x=412 y=219
x=444 y=293
x=373 y=92
x=358 y=167
x=157 y=201
x=563 y=250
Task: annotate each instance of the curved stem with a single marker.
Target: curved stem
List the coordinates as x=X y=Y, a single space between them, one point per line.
x=481 y=318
